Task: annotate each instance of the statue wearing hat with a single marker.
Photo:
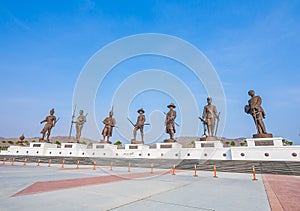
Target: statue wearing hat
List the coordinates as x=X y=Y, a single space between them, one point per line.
x=170 y=122
x=50 y=123
x=109 y=123
x=209 y=116
x=257 y=112
x=139 y=125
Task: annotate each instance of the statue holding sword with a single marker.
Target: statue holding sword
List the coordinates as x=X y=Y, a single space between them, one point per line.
x=209 y=117
x=139 y=125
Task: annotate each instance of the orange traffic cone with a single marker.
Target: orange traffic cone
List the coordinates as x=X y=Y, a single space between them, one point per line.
x=215 y=171
x=173 y=169
x=94 y=168
x=254 y=173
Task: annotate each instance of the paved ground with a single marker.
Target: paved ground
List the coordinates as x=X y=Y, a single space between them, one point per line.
x=52 y=188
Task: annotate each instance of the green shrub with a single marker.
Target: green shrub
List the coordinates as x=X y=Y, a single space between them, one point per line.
x=3 y=142
x=242 y=143
x=83 y=142
x=4 y=147
x=232 y=143
x=118 y=143
x=58 y=143
x=286 y=142
x=11 y=142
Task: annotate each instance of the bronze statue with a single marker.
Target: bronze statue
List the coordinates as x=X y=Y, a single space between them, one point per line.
x=209 y=117
x=109 y=123
x=139 y=125
x=50 y=123
x=170 y=122
x=254 y=108
x=81 y=119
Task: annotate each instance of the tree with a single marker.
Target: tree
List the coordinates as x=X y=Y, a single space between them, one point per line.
x=192 y=143
x=242 y=143
x=286 y=142
x=118 y=143
x=232 y=143
x=227 y=143
x=58 y=143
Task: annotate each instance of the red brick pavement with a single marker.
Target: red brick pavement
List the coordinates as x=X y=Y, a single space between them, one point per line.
x=283 y=191
x=46 y=186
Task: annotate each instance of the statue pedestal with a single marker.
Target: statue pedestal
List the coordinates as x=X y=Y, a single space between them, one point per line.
x=105 y=142
x=209 y=144
x=104 y=146
x=168 y=145
x=263 y=135
x=73 y=146
x=254 y=142
x=133 y=141
x=169 y=141
x=209 y=138
x=136 y=146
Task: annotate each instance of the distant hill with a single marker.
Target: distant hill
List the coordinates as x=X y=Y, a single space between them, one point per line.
x=186 y=142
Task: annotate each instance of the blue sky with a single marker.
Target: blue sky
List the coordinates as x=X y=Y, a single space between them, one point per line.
x=251 y=44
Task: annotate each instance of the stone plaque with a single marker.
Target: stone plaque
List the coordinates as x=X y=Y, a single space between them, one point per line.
x=133 y=147
x=264 y=143
x=207 y=145
x=166 y=146
x=99 y=146
x=36 y=145
x=68 y=146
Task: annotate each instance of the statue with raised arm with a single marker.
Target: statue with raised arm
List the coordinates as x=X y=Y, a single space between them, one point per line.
x=210 y=116
x=170 y=122
x=81 y=119
x=139 y=125
x=257 y=112
x=50 y=123
x=109 y=124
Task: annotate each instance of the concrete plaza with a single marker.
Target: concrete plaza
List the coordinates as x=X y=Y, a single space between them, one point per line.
x=33 y=187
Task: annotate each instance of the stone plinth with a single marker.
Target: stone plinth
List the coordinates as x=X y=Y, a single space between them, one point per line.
x=258 y=142
x=73 y=146
x=263 y=135
x=209 y=138
x=104 y=146
x=170 y=145
x=42 y=145
x=208 y=144
x=133 y=141
x=136 y=146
